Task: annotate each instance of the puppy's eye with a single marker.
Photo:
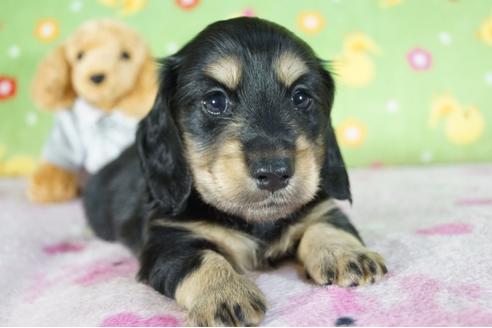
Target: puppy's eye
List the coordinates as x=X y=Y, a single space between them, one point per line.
x=215 y=103
x=80 y=55
x=301 y=99
x=125 y=55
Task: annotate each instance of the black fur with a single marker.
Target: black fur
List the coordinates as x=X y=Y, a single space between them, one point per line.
x=169 y=255
x=124 y=196
x=159 y=147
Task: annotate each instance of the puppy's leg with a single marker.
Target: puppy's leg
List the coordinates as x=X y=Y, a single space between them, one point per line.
x=333 y=253
x=182 y=265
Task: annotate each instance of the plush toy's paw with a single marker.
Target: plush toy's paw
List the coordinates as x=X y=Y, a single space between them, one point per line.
x=51 y=183
x=236 y=303
x=344 y=265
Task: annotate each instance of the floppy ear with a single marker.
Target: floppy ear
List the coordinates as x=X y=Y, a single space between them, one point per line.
x=52 y=86
x=160 y=149
x=138 y=102
x=334 y=177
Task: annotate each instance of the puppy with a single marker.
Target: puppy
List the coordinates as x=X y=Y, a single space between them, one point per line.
x=235 y=168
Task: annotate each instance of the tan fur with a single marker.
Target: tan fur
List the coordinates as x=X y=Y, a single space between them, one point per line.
x=131 y=84
x=293 y=234
x=214 y=283
x=234 y=191
x=226 y=70
x=241 y=249
x=52 y=88
x=139 y=100
x=331 y=255
x=51 y=183
x=289 y=68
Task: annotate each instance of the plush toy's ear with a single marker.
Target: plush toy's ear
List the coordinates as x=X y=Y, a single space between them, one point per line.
x=138 y=101
x=160 y=148
x=334 y=177
x=52 y=86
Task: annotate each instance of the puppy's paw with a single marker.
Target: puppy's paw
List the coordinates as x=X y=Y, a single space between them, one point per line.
x=51 y=183
x=236 y=303
x=344 y=265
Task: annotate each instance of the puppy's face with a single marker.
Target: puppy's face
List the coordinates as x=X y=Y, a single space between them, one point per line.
x=251 y=103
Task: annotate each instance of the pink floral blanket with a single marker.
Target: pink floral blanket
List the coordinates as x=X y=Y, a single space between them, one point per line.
x=433 y=225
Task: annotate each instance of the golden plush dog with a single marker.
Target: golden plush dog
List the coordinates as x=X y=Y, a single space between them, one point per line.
x=100 y=82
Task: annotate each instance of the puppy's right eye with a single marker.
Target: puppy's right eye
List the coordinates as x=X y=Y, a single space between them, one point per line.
x=215 y=103
x=80 y=55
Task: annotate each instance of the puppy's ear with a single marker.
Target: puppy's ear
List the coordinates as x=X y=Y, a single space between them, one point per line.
x=52 y=86
x=334 y=177
x=160 y=148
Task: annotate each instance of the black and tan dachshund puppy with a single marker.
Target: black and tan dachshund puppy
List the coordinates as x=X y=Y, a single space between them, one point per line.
x=235 y=168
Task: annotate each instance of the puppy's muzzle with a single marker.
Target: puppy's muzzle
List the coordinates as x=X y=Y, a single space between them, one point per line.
x=272 y=174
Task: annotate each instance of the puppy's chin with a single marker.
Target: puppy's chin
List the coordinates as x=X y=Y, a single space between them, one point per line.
x=261 y=205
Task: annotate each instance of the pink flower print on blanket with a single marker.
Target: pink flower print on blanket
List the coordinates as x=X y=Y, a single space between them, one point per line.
x=99 y=271
x=447 y=229
x=423 y=301
x=63 y=247
x=103 y=271
x=129 y=319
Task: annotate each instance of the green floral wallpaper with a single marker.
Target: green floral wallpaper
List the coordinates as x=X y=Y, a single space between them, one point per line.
x=414 y=76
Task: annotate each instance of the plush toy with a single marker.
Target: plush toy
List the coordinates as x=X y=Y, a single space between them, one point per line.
x=100 y=82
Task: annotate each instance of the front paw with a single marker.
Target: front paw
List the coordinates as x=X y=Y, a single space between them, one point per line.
x=344 y=265
x=51 y=183
x=238 y=302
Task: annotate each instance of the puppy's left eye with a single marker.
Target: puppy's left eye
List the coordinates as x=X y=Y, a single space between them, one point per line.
x=301 y=99
x=125 y=55
x=215 y=103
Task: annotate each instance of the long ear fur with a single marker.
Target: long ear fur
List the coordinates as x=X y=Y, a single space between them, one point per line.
x=335 y=181
x=160 y=149
x=52 y=86
x=138 y=102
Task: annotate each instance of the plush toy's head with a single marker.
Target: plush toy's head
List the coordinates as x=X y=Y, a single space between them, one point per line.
x=104 y=62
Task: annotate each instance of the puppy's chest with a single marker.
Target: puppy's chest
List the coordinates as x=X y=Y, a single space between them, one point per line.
x=250 y=247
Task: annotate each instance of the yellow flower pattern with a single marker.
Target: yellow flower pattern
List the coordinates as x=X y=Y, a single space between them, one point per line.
x=311 y=22
x=351 y=133
x=47 y=30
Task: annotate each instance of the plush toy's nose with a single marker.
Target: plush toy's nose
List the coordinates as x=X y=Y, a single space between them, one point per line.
x=97 y=78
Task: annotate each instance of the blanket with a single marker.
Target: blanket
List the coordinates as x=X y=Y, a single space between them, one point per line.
x=433 y=225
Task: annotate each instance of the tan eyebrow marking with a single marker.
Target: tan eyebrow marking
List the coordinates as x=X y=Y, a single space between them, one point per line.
x=226 y=70
x=289 y=68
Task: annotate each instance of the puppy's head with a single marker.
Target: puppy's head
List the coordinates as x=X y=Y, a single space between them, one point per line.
x=243 y=116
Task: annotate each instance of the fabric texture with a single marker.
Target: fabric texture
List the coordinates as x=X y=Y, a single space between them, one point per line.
x=414 y=78
x=85 y=137
x=433 y=226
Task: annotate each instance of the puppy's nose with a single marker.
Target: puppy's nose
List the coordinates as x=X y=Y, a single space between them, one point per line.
x=97 y=78
x=272 y=175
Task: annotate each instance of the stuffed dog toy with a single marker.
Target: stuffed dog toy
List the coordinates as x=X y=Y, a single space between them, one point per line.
x=235 y=168
x=100 y=82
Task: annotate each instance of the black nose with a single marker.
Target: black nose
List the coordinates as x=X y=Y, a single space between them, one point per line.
x=97 y=78
x=272 y=175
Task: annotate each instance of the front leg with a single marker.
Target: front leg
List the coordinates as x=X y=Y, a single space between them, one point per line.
x=333 y=253
x=180 y=264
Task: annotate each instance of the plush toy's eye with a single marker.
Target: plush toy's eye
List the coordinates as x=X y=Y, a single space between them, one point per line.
x=125 y=55
x=216 y=103
x=301 y=99
x=80 y=55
